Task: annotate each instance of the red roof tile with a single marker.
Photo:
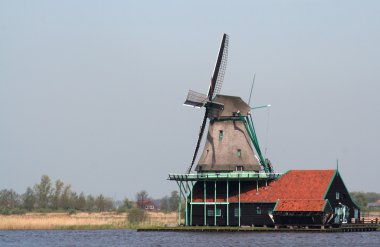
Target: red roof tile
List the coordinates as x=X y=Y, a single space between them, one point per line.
x=296 y=190
x=300 y=205
x=294 y=185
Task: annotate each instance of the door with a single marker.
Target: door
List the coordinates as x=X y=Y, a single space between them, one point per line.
x=356 y=215
x=337 y=215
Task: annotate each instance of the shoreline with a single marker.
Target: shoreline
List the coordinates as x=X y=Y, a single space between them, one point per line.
x=362 y=228
x=155 y=221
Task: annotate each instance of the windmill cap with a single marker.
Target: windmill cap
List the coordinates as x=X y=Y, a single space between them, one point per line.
x=232 y=105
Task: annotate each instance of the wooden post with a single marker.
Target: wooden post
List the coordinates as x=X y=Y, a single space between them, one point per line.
x=191 y=204
x=180 y=204
x=239 y=202
x=228 y=207
x=215 y=203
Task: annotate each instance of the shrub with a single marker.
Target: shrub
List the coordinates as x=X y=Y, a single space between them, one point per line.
x=71 y=211
x=121 y=210
x=136 y=215
x=9 y=211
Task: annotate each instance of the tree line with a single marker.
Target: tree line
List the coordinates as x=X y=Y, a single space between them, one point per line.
x=47 y=196
x=363 y=198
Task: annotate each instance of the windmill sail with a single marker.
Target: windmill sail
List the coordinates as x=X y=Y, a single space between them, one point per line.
x=197 y=99
x=220 y=68
x=202 y=129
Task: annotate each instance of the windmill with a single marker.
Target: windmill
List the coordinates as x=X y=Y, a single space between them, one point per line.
x=231 y=133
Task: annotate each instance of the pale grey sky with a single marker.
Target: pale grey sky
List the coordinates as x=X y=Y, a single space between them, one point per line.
x=91 y=92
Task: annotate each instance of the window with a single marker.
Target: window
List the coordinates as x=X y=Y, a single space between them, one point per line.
x=236 y=212
x=220 y=135
x=238 y=153
x=210 y=212
x=218 y=212
x=239 y=168
x=258 y=210
x=337 y=195
x=270 y=211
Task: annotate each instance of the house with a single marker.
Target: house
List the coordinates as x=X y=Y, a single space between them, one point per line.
x=375 y=204
x=298 y=197
x=147 y=204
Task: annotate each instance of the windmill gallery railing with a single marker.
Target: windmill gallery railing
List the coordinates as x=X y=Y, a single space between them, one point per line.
x=242 y=175
x=186 y=183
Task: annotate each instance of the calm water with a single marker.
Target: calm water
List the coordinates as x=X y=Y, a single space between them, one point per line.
x=113 y=238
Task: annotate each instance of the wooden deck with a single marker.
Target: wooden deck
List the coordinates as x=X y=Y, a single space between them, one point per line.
x=345 y=228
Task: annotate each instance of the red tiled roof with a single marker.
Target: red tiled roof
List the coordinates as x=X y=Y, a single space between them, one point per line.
x=294 y=185
x=300 y=205
x=296 y=190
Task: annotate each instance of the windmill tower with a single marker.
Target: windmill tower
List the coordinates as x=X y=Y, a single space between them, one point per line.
x=228 y=146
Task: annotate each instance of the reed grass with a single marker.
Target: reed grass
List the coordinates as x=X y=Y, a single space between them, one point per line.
x=109 y=220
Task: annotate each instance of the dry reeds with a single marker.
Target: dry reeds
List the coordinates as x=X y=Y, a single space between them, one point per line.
x=80 y=221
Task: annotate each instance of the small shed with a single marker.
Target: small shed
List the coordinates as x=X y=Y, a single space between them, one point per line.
x=375 y=204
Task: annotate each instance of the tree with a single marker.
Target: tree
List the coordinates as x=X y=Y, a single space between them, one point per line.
x=90 y=203
x=43 y=192
x=103 y=204
x=73 y=200
x=28 y=199
x=173 y=201
x=66 y=197
x=9 y=199
x=57 y=192
x=81 y=202
x=127 y=204
x=359 y=199
x=100 y=203
x=164 y=204
x=371 y=196
x=109 y=204
x=141 y=198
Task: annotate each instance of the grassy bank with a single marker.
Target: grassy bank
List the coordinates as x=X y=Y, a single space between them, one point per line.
x=35 y=221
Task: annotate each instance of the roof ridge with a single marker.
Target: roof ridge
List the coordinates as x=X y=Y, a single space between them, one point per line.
x=302 y=199
x=312 y=170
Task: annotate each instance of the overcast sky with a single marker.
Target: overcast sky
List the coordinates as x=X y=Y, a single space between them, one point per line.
x=91 y=92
